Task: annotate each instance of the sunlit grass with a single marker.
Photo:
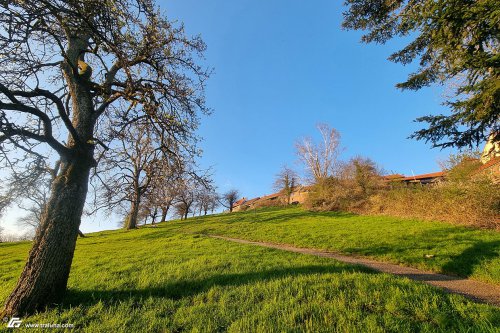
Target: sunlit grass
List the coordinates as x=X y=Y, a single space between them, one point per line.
x=455 y=250
x=170 y=279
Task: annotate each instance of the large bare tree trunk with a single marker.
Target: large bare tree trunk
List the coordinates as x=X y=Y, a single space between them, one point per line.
x=44 y=278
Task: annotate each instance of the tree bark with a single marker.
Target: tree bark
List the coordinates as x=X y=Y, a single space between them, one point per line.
x=187 y=211
x=164 y=212
x=134 y=212
x=44 y=278
x=155 y=213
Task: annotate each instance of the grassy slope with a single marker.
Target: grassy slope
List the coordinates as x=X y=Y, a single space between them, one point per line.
x=457 y=250
x=166 y=280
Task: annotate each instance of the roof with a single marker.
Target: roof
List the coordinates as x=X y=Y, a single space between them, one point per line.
x=425 y=176
x=239 y=202
x=271 y=196
x=490 y=163
x=251 y=201
x=395 y=176
x=304 y=188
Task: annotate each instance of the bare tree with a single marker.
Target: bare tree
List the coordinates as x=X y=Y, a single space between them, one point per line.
x=187 y=191
x=69 y=71
x=181 y=210
x=156 y=205
x=229 y=198
x=158 y=201
x=164 y=198
x=30 y=190
x=34 y=208
x=165 y=187
x=147 y=211
x=207 y=200
x=175 y=184
x=320 y=159
x=286 y=182
x=5 y=201
x=32 y=193
x=130 y=169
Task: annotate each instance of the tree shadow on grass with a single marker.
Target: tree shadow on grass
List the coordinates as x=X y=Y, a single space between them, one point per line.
x=271 y=217
x=302 y=214
x=180 y=289
x=465 y=262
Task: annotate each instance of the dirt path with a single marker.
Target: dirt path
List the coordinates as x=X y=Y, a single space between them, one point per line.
x=474 y=290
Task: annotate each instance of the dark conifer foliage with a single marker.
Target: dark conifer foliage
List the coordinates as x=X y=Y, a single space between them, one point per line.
x=455 y=43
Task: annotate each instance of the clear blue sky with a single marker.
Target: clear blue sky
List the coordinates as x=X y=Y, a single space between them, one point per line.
x=281 y=67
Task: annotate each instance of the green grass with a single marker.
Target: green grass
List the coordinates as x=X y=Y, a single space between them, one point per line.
x=168 y=279
x=461 y=251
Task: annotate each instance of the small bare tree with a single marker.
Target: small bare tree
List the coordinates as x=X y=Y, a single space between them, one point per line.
x=175 y=184
x=229 y=198
x=187 y=193
x=181 y=210
x=4 y=203
x=5 y=200
x=32 y=192
x=286 y=182
x=207 y=200
x=130 y=169
x=30 y=189
x=159 y=200
x=165 y=187
x=320 y=159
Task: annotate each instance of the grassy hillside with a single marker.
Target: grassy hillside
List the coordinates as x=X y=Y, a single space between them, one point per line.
x=168 y=279
x=461 y=251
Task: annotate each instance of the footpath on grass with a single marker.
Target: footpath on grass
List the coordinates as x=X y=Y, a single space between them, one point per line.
x=477 y=291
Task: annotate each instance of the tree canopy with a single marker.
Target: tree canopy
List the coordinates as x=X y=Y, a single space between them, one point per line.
x=455 y=43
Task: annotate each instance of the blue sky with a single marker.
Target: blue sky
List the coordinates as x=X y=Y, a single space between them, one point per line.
x=283 y=66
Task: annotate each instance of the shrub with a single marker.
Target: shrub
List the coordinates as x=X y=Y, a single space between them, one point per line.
x=475 y=203
x=464 y=197
x=267 y=203
x=357 y=180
